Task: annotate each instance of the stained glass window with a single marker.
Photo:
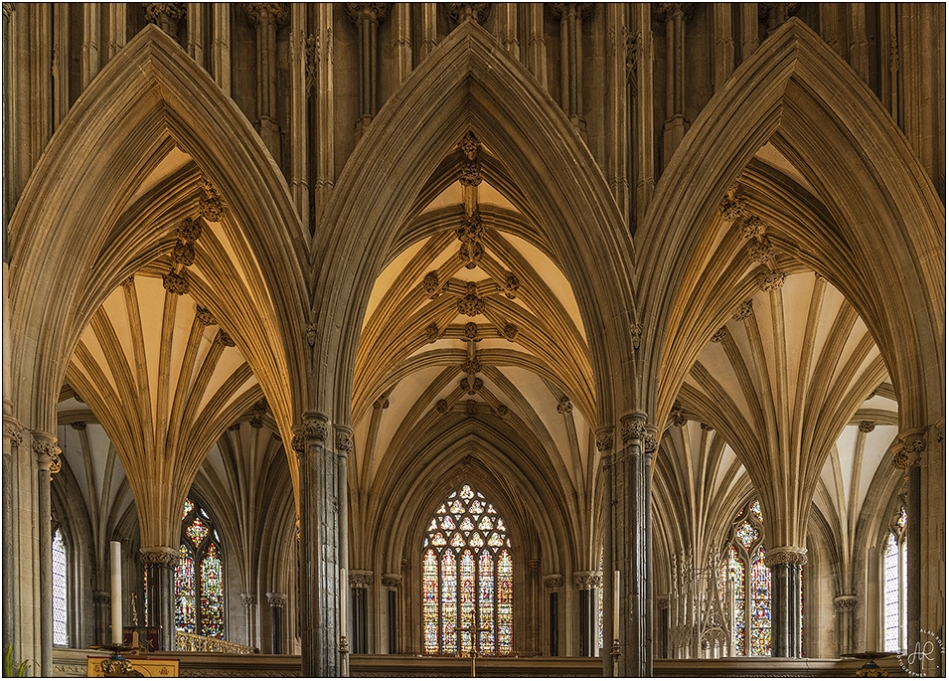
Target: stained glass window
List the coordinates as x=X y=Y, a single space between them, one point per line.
x=894 y=586
x=199 y=576
x=467 y=579
x=760 y=605
x=60 y=635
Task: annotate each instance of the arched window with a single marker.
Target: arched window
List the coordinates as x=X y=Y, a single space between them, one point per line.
x=60 y=597
x=199 y=577
x=467 y=578
x=894 y=585
x=746 y=583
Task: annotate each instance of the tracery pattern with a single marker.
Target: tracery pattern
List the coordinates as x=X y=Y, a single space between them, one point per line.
x=894 y=586
x=467 y=578
x=60 y=635
x=199 y=576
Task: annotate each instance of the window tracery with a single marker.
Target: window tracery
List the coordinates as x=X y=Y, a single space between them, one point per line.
x=467 y=578
x=199 y=576
x=894 y=585
x=60 y=598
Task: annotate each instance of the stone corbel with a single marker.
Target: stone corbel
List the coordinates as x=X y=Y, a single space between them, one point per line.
x=586 y=580
x=553 y=582
x=276 y=600
x=392 y=581
x=908 y=451
x=360 y=579
x=47 y=452
x=845 y=603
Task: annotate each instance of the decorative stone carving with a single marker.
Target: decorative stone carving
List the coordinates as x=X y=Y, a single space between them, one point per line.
x=470 y=145
x=312 y=51
x=360 y=579
x=585 y=581
x=744 y=311
x=390 y=580
x=13 y=430
x=753 y=226
x=553 y=582
x=78 y=425
x=430 y=284
x=471 y=173
x=311 y=334
x=558 y=9
x=471 y=408
x=225 y=339
x=471 y=331
x=165 y=15
x=471 y=366
x=465 y=11
x=604 y=440
x=470 y=233
x=663 y=602
x=101 y=597
x=707 y=428
x=127 y=283
x=8 y=9
x=733 y=208
x=183 y=253
x=650 y=443
x=315 y=429
x=845 y=603
x=47 y=452
x=189 y=230
x=474 y=387
x=719 y=335
x=634 y=428
x=762 y=251
x=636 y=332
x=344 y=440
x=664 y=11
x=248 y=599
x=771 y=280
x=204 y=316
x=257 y=421
x=678 y=416
x=511 y=284
x=785 y=554
x=234 y=427
x=509 y=332
x=277 y=600
x=176 y=283
x=373 y=11
x=564 y=406
x=381 y=403
x=909 y=454
x=432 y=333
x=502 y=410
x=210 y=205
x=298 y=444
x=441 y=406
x=867 y=426
x=159 y=555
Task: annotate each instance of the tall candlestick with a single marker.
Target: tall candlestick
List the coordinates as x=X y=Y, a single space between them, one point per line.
x=116 y=550
x=342 y=602
x=616 y=598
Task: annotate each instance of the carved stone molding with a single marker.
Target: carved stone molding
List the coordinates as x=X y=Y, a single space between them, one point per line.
x=360 y=579
x=732 y=208
x=762 y=251
x=867 y=426
x=165 y=15
x=159 y=555
x=471 y=304
x=785 y=554
x=204 y=316
x=101 y=597
x=128 y=281
x=678 y=416
x=298 y=443
x=263 y=12
x=225 y=339
x=511 y=284
x=381 y=403
x=249 y=599
x=583 y=9
x=719 y=335
x=509 y=332
x=845 y=603
x=430 y=284
x=276 y=600
x=753 y=226
x=432 y=332
x=633 y=428
x=744 y=311
x=470 y=173
x=663 y=602
x=344 y=440
x=564 y=406
x=189 y=230
x=78 y=425
x=183 y=253
x=370 y=11
x=46 y=451
x=771 y=280
x=650 y=443
x=553 y=582
x=470 y=144
x=471 y=366
x=665 y=11
x=471 y=408
x=502 y=410
x=441 y=406
x=13 y=430
x=176 y=283
x=464 y=11
x=471 y=331
x=390 y=580
x=210 y=205
x=310 y=334
x=471 y=387
x=586 y=580
x=8 y=9
x=636 y=332
x=604 y=439
x=910 y=450
x=315 y=426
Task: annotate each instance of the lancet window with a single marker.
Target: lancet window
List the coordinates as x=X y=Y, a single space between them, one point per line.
x=60 y=598
x=894 y=585
x=199 y=576
x=467 y=578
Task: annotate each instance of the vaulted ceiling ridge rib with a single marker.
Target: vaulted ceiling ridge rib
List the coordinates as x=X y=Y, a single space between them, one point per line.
x=128 y=392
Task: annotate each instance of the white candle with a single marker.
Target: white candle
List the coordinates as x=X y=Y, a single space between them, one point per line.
x=616 y=598
x=116 y=548
x=342 y=602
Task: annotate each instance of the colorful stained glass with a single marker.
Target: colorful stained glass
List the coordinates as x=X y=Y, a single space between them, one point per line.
x=891 y=595
x=145 y=590
x=462 y=596
x=212 y=594
x=188 y=507
x=60 y=635
x=901 y=518
x=760 y=638
x=197 y=531
x=756 y=510
x=747 y=534
x=599 y=604
x=505 y=605
x=185 y=614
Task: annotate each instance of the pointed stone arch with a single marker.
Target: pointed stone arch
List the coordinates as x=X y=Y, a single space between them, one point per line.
x=150 y=97
x=469 y=83
x=800 y=95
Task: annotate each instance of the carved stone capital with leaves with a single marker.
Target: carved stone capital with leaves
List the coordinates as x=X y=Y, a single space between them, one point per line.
x=159 y=555
x=792 y=555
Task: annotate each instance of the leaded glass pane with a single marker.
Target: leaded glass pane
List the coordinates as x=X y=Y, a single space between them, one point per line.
x=756 y=510
x=505 y=605
x=467 y=593
x=197 y=531
x=449 y=603
x=212 y=594
x=747 y=534
x=184 y=591
x=466 y=492
x=486 y=604
x=430 y=601
x=60 y=636
x=760 y=605
x=891 y=595
x=188 y=507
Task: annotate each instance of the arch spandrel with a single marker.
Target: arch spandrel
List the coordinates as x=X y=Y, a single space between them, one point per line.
x=467 y=82
x=812 y=106
x=149 y=93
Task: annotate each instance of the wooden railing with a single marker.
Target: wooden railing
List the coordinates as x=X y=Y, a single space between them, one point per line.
x=193 y=643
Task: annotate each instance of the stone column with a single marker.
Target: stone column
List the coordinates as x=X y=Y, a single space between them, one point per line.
x=553 y=584
x=674 y=16
x=392 y=582
x=12 y=441
x=650 y=445
x=785 y=563
x=360 y=581
x=278 y=603
x=587 y=582
x=571 y=15
x=367 y=16
x=250 y=614
x=642 y=106
x=221 y=45
x=323 y=149
x=160 y=563
x=102 y=605
x=319 y=547
x=604 y=445
x=47 y=461
x=662 y=632
x=266 y=16
x=844 y=607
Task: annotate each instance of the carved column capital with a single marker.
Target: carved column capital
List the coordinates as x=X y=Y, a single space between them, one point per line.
x=793 y=555
x=375 y=12
x=344 y=440
x=360 y=579
x=633 y=427
x=553 y=582
x=465 y=11
x=165 y=15
x=159 y=555
x=261 y=13
x=845 y=603
x=604 y=440
x=910 y=449
x=13 y=430
x=46 y=451
x=249 y=599
x=867 y=426
x=586 y=580
x=276 y=600
x=392 y=581
x=101 y=597
x=315 y=426
x=78 y=425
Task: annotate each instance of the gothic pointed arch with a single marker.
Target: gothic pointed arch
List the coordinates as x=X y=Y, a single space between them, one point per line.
x=150 y=98
x=468 y=83
x=803 y=98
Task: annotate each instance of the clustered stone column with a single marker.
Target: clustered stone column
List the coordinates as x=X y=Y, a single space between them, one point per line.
x=47 y=461
x=674 y=16
x=367 y=16
x=844 y=607
x=553 y=584
x=12 y=441
x=267 y=16
x=786 y=563
x=571 y=15
x=278 y=603
x=250 y=613
x=587 y=582
x=102 y=603
x=160 y=563
x=359 y=582
x=393 y=582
